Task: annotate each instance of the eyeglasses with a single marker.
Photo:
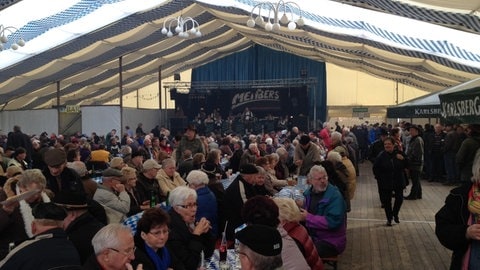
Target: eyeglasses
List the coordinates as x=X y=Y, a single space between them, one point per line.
x=188 y=206
x=127 y=252
x=160 y=232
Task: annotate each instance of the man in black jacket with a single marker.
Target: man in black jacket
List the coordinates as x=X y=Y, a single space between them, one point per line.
x=79 y=224
x=49 y=248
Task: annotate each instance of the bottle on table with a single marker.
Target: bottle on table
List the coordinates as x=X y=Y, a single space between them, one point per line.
x=153 y=199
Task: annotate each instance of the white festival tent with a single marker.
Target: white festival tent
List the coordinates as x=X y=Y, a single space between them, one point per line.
x=84 y=52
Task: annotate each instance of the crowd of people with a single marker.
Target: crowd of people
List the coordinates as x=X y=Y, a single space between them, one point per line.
x=82 y=188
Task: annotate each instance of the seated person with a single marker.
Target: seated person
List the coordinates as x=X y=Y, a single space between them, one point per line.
x=114 y=249
x=100 y=155
x=207 y=203
x=262 y=210
x=260 y=248
x=112 y=196
x=240 y=190
x=289 y=216
x=150 y=239
x=49 y=248
x=16 y=217
x=187 y=238
x=79 y=225
x=168 y=178
x=324 y=214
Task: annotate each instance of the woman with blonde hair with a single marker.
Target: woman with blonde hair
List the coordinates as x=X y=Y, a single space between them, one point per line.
x=289 y=216
x=129 y=180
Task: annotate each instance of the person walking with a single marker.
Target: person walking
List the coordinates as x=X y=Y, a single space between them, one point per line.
x=389 y=171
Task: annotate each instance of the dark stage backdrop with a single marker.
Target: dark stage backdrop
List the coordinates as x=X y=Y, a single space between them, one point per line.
x=262 y=63
x=278 y=101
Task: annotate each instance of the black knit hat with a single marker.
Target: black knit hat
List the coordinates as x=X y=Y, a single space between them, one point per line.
x=262 y=239
x=248 y=169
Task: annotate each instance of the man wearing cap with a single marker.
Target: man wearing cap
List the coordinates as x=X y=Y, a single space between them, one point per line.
x=79 y=224
x=49 y=248
x=239 y=191
x=260 y=248
x=147 y=184
x=58 y=176
x=189 y=141
x=306 y=155
x=112 y=196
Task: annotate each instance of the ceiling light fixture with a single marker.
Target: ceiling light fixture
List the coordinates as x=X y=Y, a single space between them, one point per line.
x=281 y=6
x=184 y=27
x=6 y=31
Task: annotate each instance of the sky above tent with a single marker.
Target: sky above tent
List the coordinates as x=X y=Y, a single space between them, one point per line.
x=66 y=39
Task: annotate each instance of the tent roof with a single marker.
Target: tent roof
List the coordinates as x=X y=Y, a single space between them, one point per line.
x=69 y=44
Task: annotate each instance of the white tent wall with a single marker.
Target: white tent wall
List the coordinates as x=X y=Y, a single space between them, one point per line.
x=30 y=121
x=149 y=118
x=100 y=119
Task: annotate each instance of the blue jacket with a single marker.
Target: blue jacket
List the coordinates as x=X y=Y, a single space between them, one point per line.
x=328 y=223
x=207 y=207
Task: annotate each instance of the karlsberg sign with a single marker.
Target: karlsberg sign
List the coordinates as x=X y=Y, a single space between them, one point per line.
x=462 y=106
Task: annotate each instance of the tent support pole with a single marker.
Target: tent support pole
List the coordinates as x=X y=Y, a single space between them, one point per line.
x=120 y=88
x=160 y=90
x=58 y=106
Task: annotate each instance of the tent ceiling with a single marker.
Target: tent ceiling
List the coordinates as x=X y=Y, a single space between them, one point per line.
x=87 y=65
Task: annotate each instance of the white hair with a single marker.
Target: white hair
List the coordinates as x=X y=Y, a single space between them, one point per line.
x=179 y=194
x=197 y=177
x=107 y=237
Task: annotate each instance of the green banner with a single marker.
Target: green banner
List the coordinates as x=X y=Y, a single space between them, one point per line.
x=461 y=107
x=422 y=111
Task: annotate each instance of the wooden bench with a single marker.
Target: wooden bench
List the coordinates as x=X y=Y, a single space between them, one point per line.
x=332 y=261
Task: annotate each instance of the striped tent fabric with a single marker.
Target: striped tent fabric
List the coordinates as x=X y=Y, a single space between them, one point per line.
x=66 y=46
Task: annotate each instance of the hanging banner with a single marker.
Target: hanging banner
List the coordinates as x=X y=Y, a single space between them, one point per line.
x=461 y=107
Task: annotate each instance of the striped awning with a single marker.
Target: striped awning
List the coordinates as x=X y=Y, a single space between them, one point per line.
x=78 y=43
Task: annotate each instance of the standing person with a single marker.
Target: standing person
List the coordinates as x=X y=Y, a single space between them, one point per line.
x=189 y=141
x=234 y=163
x=452 y=144
x=389 y=171
x=150 y=239
x=49 y=248
x=466 y=153
x=457 y=222
x=415 y=160
x=306 y=154
x=324 y=134
x=324 y=214
x=17 y=139
x=437 y=145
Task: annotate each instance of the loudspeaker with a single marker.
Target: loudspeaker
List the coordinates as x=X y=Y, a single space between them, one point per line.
x=176 y=77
